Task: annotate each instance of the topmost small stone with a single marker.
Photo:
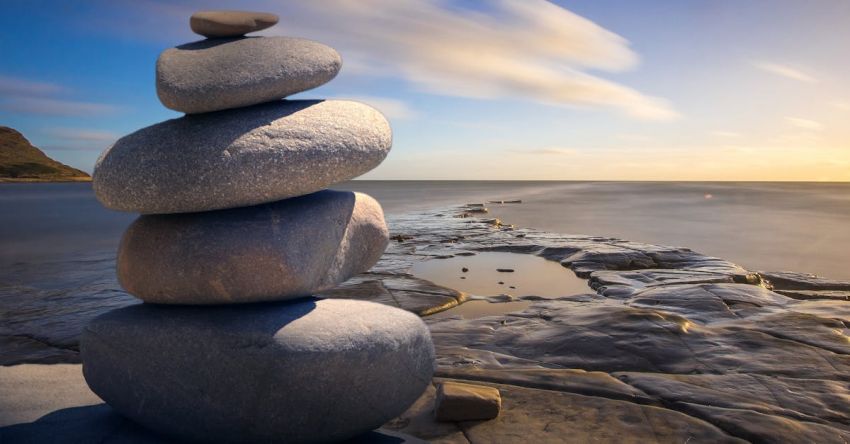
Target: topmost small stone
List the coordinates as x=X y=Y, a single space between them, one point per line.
x=216 y=24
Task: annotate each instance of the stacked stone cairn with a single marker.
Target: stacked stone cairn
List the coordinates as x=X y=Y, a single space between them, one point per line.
x=237 y=232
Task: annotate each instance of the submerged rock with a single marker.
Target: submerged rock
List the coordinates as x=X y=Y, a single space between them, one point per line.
x=308 y=371
x=241 y=157
x=230 y=23
x=214 y=75
x=283 y=250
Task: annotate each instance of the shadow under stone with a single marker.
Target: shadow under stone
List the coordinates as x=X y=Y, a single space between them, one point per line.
x=99 y=423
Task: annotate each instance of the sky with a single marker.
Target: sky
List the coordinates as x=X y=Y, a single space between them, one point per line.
x=499 y=90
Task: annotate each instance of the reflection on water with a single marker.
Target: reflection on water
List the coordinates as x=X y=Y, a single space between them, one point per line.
x=480 y=309
x=801 y=227
x=532 y=275
x=479 y=275
x=57 y=241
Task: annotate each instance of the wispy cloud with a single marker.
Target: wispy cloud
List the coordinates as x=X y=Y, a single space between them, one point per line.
x=531 y=50
x=805 y=124
x=843 y=106
x=393 y=109
x=11 y=86
x=93 y=147
x=82 y=135
x=55 y=107
x=45 y=98
x=518 y=49
x=784 y=71
x=726 y=134
x=548 y=151
x=634 y=137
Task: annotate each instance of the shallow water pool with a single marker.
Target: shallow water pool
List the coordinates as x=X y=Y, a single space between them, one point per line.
x=529 y=276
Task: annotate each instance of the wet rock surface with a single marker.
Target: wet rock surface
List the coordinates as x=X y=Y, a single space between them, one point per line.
x=666 y=345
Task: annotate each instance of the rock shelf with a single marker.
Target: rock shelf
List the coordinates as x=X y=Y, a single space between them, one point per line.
x=667 y=344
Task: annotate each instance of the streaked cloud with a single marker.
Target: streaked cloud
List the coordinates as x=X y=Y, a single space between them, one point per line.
x=530 y=50
x=784 y=71
x=83 y=148
x=82 y=135
x=44 y=98
x=548 y=151
x=843 y=106
x=514 y=49
x=726 y=134
x=634 y=137
x=55 y=107
x=12 y=86
x=805 y=124
x=393 y=109
x=777 y=162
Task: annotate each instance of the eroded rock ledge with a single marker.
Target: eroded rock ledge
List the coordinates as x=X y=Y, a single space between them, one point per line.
x=667 y=345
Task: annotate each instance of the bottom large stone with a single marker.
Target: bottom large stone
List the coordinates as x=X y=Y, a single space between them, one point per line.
x=306 y=371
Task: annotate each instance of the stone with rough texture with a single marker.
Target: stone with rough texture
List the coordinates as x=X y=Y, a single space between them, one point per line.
x=214 y=24
x=457 y=401
x=307 y=371
x=213 y=75
x=241 y=157
x=282 y=250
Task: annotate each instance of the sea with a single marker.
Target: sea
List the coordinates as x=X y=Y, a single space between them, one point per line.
x=50 y=231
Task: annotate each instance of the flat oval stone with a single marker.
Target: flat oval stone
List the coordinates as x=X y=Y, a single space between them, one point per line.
x=214 y=24
x=306 y=371
x=213 y=75
x=241 y=157
x=282 y=250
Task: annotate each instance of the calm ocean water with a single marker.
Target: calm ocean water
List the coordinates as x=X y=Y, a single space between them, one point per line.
x=762 y=226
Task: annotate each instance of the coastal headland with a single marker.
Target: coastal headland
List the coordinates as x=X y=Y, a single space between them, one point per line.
x=20 y=161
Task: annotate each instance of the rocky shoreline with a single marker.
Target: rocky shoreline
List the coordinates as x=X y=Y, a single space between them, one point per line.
x=666 y=345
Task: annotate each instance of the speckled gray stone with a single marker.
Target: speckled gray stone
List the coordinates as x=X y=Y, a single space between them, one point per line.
x=241 y=157
x=307 y=371
x=212 y=75
x=282 y=250
x=214 y=24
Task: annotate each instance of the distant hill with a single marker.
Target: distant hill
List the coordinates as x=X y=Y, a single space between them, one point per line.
x=22 y=162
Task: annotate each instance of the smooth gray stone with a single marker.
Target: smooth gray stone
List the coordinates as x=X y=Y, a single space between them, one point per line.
x=242 y=157
x=214 y=24
x=213 y=75
x=283 y=250
x=306 y=371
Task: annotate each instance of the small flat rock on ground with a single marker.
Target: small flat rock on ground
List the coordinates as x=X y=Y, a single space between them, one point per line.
x=219 y=74
x=243 y=157
x=466 y=402
x=230 y=23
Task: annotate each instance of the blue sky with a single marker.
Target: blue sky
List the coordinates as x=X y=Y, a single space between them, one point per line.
x=505 y=89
